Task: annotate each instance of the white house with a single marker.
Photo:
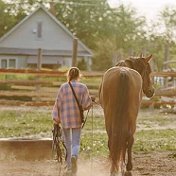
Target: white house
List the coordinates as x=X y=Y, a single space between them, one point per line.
x=19 y=47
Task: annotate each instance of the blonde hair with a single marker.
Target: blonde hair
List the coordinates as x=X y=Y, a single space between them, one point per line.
x=73 y=73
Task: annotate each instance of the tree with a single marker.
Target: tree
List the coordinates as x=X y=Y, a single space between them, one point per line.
x=168 y=21
x=168 y=16
x=88 y=20
x=105 y=54
x=126 y=37
x=7 y=20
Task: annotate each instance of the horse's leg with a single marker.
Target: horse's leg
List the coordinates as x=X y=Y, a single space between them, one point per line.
x=112 y=170
x=123 y=162
x=130 y=144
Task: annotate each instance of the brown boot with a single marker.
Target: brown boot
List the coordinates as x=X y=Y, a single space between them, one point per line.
x=74 y=165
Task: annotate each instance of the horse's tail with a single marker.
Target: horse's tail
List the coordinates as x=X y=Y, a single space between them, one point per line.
x=119 y=133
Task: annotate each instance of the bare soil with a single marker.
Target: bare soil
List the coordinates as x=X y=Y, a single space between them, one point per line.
x=144 y=164
x=150 y=164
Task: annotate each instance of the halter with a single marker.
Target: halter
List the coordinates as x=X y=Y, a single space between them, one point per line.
x=144 y=72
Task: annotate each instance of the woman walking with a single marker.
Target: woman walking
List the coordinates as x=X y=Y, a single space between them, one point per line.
x=67 y=114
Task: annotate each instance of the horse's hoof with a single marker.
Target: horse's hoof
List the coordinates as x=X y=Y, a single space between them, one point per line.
x=113 y=174
x=116 y=174
x=129 y=167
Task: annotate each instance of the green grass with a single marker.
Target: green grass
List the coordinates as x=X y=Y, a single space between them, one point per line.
x=145 y=141
x=21 y=123
x=155 y=118
x=37 y=122
x=94 y=144
x=155 y=140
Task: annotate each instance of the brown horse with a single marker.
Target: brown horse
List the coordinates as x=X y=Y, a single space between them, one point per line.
x=120 y=97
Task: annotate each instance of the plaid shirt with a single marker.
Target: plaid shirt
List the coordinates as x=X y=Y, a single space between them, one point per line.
x=66 y=109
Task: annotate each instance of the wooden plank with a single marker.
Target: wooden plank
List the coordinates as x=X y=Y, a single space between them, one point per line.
x=33 y=72
x=164 y=74
x=63 y=73
x=156 y=103
x=26 y=82
x=28 y=94
x=51 y=103
x=36 y=94
x=168 y=92
x=16 y=87
x=33 y=88
x=29 y=103
x=48 y=72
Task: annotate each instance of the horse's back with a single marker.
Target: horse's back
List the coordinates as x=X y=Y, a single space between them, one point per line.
x=111 y=85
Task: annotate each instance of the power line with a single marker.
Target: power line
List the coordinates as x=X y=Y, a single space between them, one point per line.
x=76 y=3
x=85 y=3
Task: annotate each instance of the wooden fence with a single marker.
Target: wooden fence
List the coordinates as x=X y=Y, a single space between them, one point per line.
x=39 y=87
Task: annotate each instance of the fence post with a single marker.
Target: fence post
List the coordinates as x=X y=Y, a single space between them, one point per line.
x=39 y=66
x=39 y=57
x=166 y=54
x=74 y=52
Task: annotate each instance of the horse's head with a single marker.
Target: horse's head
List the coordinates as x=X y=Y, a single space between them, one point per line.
x=141 y=64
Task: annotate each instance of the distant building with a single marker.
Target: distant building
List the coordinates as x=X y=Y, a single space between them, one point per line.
x=19 y=47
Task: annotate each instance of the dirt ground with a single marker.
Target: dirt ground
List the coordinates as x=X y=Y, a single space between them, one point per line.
x=144 y=164
x=151 y=164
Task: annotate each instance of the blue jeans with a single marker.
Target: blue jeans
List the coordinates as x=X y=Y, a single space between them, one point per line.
x=72 y=143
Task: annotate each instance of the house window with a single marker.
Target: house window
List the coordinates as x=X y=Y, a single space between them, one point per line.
x=4 y=63
x=12 y=63
x=39 y=29
x=8 y=63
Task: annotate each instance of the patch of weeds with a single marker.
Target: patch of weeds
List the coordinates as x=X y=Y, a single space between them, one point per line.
x=95 y=145
x=172 y=155
x=155 y=140
x=19 y=124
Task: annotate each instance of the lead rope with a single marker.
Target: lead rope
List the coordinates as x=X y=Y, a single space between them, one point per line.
x=92 y=141
x=58 y=147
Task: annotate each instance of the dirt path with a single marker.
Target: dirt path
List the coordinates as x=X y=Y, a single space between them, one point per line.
x=151 y=164
x=156 y=164
x=145 y=164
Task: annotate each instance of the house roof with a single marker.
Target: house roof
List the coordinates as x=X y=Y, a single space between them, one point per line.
x=88 y=52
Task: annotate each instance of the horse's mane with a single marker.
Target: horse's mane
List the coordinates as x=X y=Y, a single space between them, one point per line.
x=121 y=63
x=136 y=63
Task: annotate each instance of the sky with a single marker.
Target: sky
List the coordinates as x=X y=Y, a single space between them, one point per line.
x=147 y=8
